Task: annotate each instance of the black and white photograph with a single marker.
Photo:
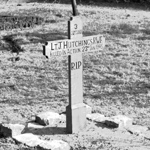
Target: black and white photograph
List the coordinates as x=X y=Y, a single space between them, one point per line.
x=74 y=74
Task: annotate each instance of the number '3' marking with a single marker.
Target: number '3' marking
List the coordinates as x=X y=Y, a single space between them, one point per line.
x=75 y=26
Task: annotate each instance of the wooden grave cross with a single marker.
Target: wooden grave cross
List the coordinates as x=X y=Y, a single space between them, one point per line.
x=73 y=47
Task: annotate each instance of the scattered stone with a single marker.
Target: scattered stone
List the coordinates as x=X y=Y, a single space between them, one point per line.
x=53 y=145
x=28 y=139
x=33 y=125
x=96 y=117
x=34 y=141
x=147 y=135
x=10 y=130
x=48 y=118
x=122 y=121
x=110 y=123
x=137 y=129
x=119 y=121
x=62 y=118
x=34 y=128
x=88 y=109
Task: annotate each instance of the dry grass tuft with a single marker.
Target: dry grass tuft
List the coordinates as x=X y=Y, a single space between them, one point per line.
x=123 y=28
x=13 y=46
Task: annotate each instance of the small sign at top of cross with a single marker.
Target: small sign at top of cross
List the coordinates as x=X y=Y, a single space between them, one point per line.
x=73 y=47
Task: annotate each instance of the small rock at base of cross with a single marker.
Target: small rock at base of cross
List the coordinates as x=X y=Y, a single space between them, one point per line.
x=10 y=130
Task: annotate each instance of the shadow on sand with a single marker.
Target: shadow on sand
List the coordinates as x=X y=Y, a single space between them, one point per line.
x=37 y=129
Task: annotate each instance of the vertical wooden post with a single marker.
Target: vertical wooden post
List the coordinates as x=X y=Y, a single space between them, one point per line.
x=76 y=110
